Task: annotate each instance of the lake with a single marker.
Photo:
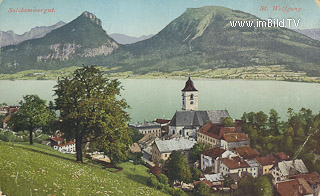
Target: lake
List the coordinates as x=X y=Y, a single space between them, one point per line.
x=160 y=98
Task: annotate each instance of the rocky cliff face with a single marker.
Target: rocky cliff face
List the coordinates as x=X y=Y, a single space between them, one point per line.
x=92 y=17
x=70 y=50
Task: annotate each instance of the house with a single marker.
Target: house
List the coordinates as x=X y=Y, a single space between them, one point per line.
x=254 y=168
x=234 y=140
x=161 y=149
x=234 y=165
x=147 y=140
x=5 y=122
x=267 y=162
x=148 y=127
x=186 y=122
x=67 y=147
x=247 y=152
x=211 y=158
x=313 y=180
x=135 y=148
x=294 y=187
x=215 y=179
x=57 y=142
x=207 y=182
x=211 y=134
x=285 y=169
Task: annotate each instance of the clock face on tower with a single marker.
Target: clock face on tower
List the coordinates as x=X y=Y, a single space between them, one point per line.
x=191 y=102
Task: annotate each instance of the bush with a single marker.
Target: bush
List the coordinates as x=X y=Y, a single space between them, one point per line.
x=202 y=189
x=178 y=192
x=163 y=179
x=152 y=181
x=195 y=172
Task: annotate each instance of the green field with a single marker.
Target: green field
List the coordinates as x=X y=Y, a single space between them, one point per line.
x=40 y=170
x=274 y=72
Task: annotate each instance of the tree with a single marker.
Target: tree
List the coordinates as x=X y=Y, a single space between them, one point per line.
x=201 y=189
x=178 y=168
x=91 y=111
x=195 y=172
x=163 y=179
x=32 y=114
x=247 y=186
x=273 y=122
x=264 y=186
x=136 y=135
x=228 y=181
x=196 y=151
x=228 y=122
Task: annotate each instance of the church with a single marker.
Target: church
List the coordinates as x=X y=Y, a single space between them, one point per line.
x=185 y=123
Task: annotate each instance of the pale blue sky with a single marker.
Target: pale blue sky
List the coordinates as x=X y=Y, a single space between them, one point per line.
x=141 y=17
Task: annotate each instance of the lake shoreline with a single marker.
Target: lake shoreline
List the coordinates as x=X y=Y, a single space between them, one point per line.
x=255 y=73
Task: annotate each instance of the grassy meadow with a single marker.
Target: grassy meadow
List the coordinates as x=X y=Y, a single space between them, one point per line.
x=40 y=170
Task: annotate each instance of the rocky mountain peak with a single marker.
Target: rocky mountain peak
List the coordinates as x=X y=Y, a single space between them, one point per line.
x=92 y=17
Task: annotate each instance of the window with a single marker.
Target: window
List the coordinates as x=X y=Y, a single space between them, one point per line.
x=191 y=97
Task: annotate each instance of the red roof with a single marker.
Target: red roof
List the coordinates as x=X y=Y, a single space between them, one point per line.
x=295 y=187
x=156 y=170
x=282 y=156
x=57 y=139
x=7 y=118
x=67 y=143
x=247 y=152
x=235 y=163
x=189 y=86
x=162 y=121
x=311 y=178
x=207 y=182
x=214 y=152
x=272 y=159
x=216 y=130
x=235 y=137
x=12 y=110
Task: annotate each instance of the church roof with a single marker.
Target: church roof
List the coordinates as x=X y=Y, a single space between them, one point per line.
x=189 y=86
x=198 y=118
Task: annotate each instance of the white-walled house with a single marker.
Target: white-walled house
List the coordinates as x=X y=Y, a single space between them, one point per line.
x=68 y=147
x=285 y=169
x=234 y=140
x=234 y=165
x=211 y=158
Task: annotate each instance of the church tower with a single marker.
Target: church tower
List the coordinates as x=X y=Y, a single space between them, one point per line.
x=189 y=96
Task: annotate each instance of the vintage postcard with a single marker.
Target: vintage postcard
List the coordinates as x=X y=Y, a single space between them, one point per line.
x=160 y=97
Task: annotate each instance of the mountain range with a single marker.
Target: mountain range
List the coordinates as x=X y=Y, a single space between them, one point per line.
x=10 y=38
x=201 y=38
x=312 y=33
x=125 y=39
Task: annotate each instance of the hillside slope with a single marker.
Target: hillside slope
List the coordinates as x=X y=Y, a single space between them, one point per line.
x=199 y=39
x=82 y=38
x=202 y=38
x=40 y=170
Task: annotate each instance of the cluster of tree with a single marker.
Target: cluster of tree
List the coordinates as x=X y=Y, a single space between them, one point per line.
x=33 y=114
x=260 y=186
x=90 y=110
x=299 y=136
x=161 y=182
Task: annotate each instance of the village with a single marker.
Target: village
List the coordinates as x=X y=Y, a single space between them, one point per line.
x=227 y=156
